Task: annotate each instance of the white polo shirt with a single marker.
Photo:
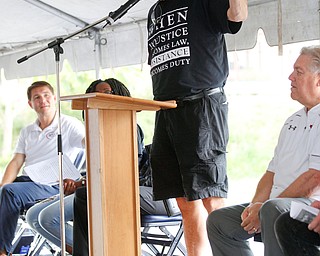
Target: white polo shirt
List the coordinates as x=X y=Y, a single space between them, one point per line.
x=39 y=145
x=297 y=151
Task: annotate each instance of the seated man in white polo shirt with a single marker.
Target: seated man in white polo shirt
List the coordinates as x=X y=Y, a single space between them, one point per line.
x=37 y=143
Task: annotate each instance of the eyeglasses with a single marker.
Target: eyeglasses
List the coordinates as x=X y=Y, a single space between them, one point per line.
x=156 y=14
x=107 y=91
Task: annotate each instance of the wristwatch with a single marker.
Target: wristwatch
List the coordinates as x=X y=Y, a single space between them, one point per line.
x=83 y=182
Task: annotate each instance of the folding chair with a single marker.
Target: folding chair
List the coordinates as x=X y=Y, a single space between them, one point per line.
x=158 y=242
x=33 y=246
x=39 y=241
x=23 y=235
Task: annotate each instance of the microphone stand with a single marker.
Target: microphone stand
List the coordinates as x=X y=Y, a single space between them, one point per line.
x=58 y=50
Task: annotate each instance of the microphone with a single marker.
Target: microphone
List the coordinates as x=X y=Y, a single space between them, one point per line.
x=113 y=16
x=22 y=59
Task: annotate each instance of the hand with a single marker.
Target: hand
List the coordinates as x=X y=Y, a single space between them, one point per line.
x=315 y=223
x=69 y=186
x=250 y=218
x=316 y=204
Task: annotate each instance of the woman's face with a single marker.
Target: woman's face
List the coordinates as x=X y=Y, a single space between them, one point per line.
x=104 y=87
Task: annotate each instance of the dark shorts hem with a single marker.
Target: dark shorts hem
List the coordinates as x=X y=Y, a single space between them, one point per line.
x=202 y=195
x=207 y=195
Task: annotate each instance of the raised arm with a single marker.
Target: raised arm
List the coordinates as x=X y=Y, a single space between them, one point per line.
x=238 y=10
x=12 y=169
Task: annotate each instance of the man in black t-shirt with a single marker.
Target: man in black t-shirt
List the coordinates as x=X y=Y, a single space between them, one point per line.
x=188 y=59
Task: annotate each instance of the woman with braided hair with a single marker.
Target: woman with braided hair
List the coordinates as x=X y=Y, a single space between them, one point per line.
x=147 y=204
x=109 y=86
x=114 y=86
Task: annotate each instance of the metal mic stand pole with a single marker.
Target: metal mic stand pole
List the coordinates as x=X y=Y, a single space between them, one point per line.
x=57 y=51
x=56 y=45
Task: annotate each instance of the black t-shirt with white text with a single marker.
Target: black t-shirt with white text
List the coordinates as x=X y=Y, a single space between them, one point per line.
x=186 y=45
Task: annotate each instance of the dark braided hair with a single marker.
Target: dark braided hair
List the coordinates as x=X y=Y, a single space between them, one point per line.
x=92 y=87
x=117 y=88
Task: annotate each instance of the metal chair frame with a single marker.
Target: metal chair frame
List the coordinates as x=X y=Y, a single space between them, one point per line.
x=164 y=240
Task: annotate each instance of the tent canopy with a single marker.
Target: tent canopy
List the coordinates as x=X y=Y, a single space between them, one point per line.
x=29 y=25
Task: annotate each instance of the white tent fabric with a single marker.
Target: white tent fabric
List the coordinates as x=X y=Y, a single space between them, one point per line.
x=283 y=22
x=29 y=25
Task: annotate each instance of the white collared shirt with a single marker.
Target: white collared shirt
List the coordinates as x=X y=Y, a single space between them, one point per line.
x=38 y=145
x=298 y=150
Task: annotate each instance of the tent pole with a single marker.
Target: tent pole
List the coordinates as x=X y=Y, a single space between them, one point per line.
x=280 y=42
x=97 y=54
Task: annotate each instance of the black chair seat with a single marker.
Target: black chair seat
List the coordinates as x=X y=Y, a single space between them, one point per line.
x=154 y=219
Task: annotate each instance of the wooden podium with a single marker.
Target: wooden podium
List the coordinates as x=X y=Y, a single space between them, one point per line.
x=112 y=170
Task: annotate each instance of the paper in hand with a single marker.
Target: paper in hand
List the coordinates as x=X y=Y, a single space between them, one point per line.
x=47 y=172
x=302 y=212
